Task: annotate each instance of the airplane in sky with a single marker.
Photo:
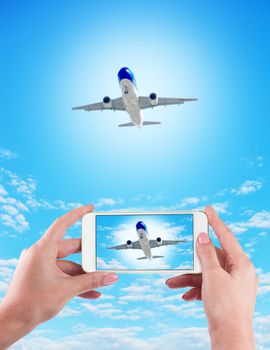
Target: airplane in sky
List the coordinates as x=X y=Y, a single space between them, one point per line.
x=146 y=244
x=131 y=102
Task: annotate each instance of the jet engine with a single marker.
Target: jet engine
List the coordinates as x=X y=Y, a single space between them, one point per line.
x=153 y=99
x=159 y=241
x=129 y=244
x=107 y=102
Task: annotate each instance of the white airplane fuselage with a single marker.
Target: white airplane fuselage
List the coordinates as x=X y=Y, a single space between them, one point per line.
x=144 y=242
x=130 y=101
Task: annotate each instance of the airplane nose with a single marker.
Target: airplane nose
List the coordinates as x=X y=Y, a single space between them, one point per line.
x=141 y=224
x=125 y=73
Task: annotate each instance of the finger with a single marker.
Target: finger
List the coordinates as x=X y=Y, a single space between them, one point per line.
x=92 y=294
x=192 y=294
x=221 y=257
x=68 y=246
x=227 y=240
x=207 y=253
x=183 y=281
x=192 y=280
x=59 y=227
x=73 y=269
x=83 y=283
x=69 y=267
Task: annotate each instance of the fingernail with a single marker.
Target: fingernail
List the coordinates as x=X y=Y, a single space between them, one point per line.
x=168 y=281
x=110 y=279
x=204 y=238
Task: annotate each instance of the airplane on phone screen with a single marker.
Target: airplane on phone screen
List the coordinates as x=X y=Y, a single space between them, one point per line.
x=131 y=102
x=146 y=244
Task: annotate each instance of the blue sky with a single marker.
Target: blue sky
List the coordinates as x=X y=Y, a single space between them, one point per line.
x=114 y=230
x=55 y=55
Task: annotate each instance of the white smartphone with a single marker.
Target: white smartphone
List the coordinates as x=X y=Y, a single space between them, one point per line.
x=151 y=242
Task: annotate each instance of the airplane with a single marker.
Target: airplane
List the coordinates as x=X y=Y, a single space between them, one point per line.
x=145 y=243
x=131 y=102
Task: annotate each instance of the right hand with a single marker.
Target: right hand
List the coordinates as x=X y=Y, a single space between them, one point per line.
x=227 y=285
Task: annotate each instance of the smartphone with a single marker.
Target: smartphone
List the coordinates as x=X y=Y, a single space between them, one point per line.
x=150 y=242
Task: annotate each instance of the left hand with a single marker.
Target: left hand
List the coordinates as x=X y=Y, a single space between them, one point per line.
x=42 y=284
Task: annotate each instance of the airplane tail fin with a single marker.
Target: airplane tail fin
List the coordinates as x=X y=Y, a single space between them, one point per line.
x=151 y=123
x=126 y=124
x=153 y=257
x=144 y=123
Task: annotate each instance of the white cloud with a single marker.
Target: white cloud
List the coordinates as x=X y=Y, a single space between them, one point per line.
x=186 y=310
x=32 y=202
x=264 y=283
x=189 y=338
x=3 y=192
x=8 y=262
x=11 y=201
x=260 y=220
x=255 y=162
x=221 y=207
x=106 y=297
x=109 y=202
x=191 y=201
x=3 y=286
x=140 y=297
x=17 y=222
x=68 y=311
x=247 y=187
x=26 y=187
x=7 y=154
x=262 y=321
x=112 y=264
x=19 y=196
x=7 y=267
x=108 y=310
x=135 y=288
x=153 y=297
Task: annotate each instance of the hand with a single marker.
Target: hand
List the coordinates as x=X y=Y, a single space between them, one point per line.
x=42 y=284
x=227 y=287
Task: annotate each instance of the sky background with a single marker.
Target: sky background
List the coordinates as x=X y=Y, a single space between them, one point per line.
x=114 y=230
x=56 y=55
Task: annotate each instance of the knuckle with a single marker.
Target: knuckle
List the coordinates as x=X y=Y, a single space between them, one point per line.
x=36 y=248
x=24 y=252
x=59 y=221
x=92 y=281
x=214 y=268
x=257 y=281
x=247 y=264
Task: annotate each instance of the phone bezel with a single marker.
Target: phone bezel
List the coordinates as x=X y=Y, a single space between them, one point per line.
x=200 y=224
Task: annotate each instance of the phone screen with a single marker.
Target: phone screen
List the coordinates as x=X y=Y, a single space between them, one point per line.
x=145 y=242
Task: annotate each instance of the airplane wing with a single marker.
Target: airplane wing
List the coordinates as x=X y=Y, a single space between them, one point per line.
x=135 y=245
x=154 y=244
x=116 y=105
x=144 y=101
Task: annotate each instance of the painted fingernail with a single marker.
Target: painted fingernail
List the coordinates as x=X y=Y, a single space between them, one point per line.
x=168 y=281
x=110 y=279
x=204 y=238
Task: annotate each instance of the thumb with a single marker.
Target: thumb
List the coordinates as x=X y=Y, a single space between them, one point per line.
x=83 y=283
x=207 y=253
